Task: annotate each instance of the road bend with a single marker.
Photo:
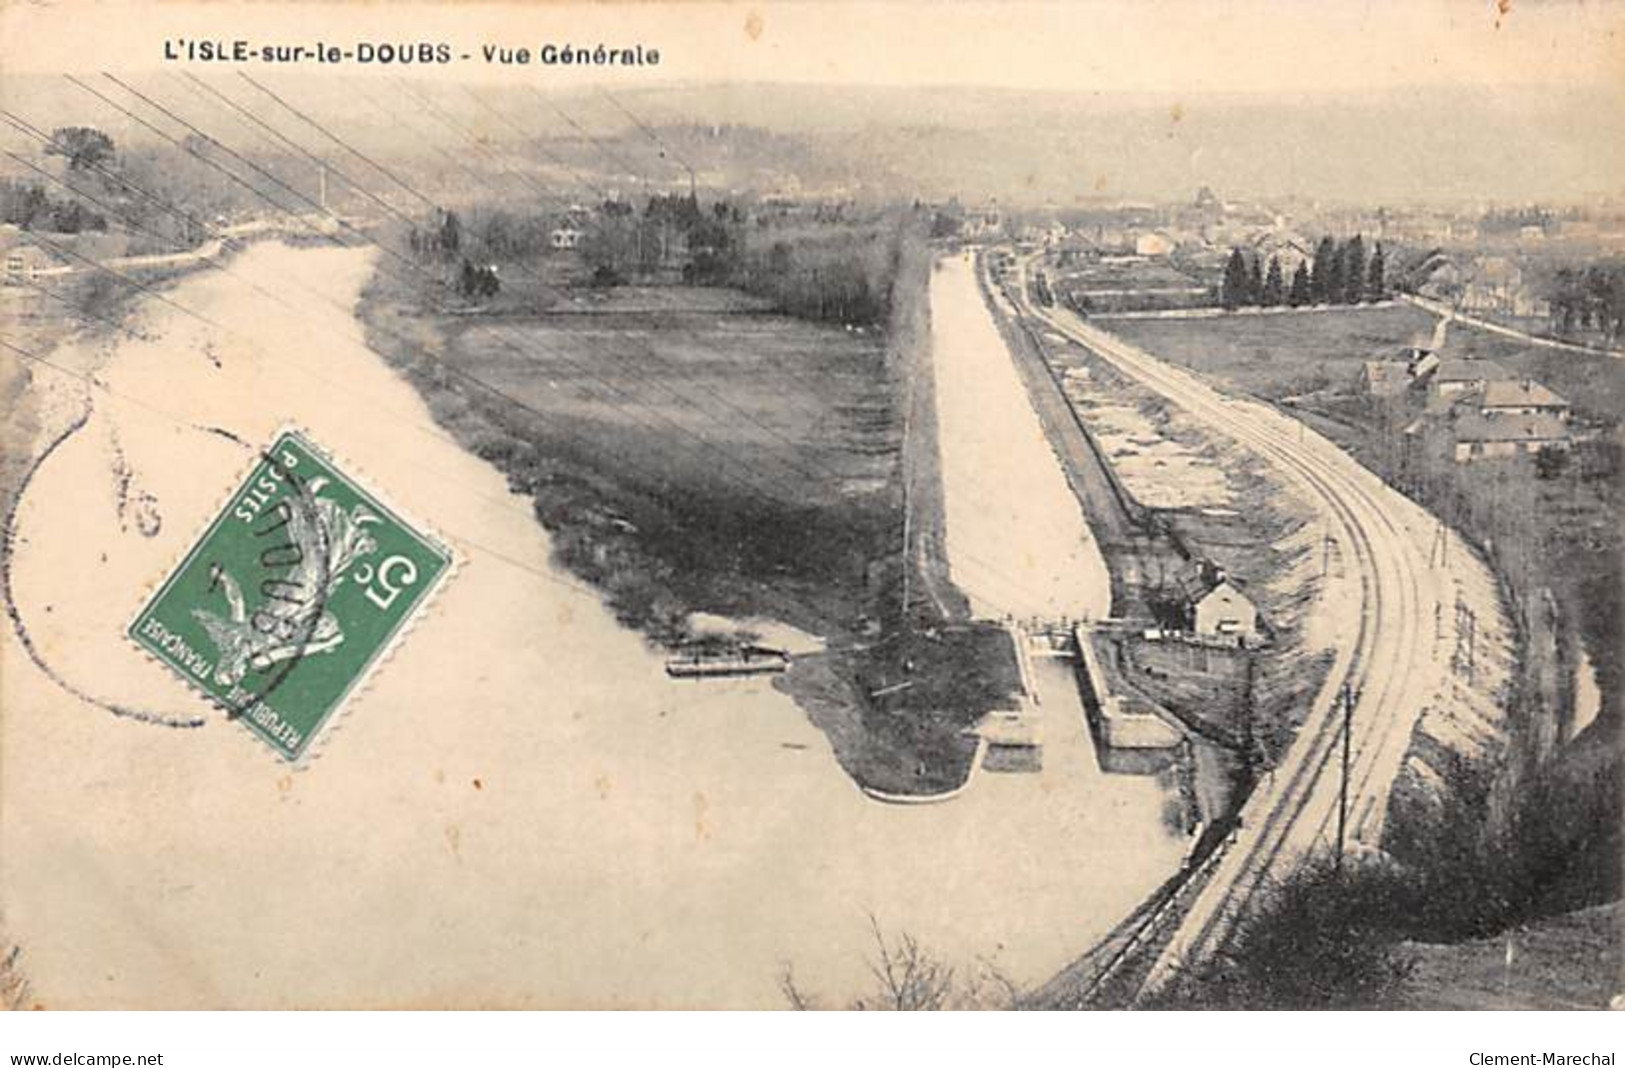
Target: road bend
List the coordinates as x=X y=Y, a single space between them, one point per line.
x=1389 y=650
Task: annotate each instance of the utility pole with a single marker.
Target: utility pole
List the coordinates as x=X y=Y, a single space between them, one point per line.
x=1466 y=639
x=1343 y=785
x=908 y=529
x=1249 y=725
x=1472 y=635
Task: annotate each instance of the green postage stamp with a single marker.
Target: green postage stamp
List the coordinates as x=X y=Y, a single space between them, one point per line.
x=291 y=596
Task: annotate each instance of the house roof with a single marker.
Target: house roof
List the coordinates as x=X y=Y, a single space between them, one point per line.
x=1273 y=241
x=1523 y=394
x=1225 y=590
x=1386 y=372
x=1200 y=580
x=29 y=253
x=1539 y=426
x=1458 y=369
x=1498 y=270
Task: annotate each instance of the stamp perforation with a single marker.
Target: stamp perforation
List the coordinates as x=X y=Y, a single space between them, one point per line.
x=359 y=681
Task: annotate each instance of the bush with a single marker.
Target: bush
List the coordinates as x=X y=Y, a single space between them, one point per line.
x=1323 y=940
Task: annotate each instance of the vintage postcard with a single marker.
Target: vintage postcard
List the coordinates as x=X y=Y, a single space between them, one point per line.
x=812 y=505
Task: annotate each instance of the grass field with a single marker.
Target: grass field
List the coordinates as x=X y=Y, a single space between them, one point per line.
x=1289 y=355
x=687 y=461
x=1276 y=356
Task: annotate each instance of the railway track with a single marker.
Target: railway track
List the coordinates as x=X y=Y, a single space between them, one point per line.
x=1384 y=654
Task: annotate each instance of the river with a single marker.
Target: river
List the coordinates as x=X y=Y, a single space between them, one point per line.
x=520 y=809
x=1017 y=541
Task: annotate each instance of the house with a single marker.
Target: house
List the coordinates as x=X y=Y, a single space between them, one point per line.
x=1456 y=376
x=1420 y=362
x=1391 y=377
x=1154 y=243
x=1385 y=378
x=1225 y=612
x=24 y=262
x=1214 y=608
x=1283 y=246
x=987 y=222
x=1498 y=285
x=1523 y=397
x=1480 y=437
x=1111 y=239
x=565 y=236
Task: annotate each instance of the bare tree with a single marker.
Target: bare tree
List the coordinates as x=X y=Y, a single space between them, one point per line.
x=14 y=989
x=909 y=978
x=793 y=994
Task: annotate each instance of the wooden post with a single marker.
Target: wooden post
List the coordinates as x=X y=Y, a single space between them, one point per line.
x=1343 y=785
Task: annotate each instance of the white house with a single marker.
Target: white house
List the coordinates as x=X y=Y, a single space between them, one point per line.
x=24 y=262
x=1225 y=612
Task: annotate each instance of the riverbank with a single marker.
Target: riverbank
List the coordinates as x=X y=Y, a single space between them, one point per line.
x=743 y=464
x=521 y=760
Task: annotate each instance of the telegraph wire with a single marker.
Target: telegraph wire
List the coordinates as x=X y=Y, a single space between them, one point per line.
x=187 y=424
x=266 y=197
x=346 y=146
x=459 y=372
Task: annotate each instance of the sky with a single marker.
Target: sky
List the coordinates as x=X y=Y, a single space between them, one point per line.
x=1421 y=100
x=1151 y=46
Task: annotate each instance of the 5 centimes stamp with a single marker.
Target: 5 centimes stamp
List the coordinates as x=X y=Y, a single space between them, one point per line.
x=291 y=596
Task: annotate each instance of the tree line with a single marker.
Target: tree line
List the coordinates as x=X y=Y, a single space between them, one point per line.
x=27 y=206
x=832 y=271
x=1339 y=273
x=1588 y=298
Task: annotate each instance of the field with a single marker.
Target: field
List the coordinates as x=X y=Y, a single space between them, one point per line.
x=746 y=457
x=1281 y=355
x=1297 y=353
x=691 y=451
x=1130 y=285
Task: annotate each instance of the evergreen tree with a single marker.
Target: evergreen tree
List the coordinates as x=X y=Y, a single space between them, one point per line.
x=1353 y=271
x=1255 y=281
x=1274 y=284
x=1334 y=276
x=1298 y=296
x=1320 y=273
x=451 y=234
x=1376 y=287
x=1233 y=293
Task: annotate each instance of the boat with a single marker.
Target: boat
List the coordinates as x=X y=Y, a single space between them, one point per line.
x=743 y=660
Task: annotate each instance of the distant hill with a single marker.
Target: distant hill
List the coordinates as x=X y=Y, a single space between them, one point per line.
x=1441 y=146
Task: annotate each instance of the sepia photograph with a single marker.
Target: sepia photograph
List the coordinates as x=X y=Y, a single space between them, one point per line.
x=813 y=506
